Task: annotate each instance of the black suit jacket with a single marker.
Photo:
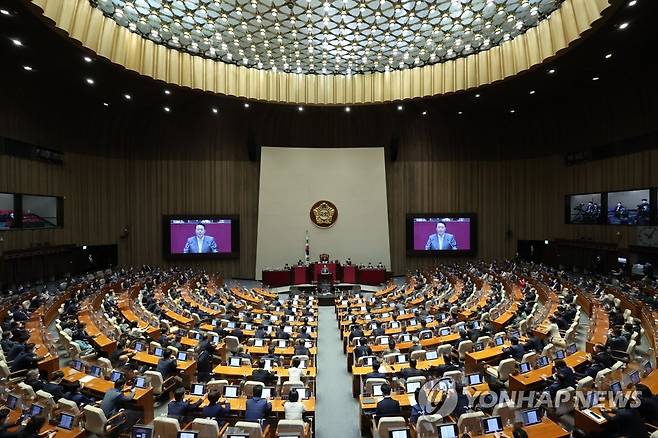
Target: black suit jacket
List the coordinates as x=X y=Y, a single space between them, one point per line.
x=410 y=372
x=387 y=407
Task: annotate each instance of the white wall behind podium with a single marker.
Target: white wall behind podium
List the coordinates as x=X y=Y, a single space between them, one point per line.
x=293 y=179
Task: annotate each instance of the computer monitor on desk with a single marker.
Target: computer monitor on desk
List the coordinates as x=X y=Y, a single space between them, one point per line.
x=448 y=430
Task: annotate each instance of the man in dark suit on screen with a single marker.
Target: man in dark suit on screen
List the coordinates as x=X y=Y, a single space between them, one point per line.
x=441 y=240
x=200 y=243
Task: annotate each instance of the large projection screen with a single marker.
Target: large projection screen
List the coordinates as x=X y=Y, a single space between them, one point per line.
x=293 y=179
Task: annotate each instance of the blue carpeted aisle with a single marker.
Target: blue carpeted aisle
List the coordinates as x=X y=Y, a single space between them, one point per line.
x=337 y=412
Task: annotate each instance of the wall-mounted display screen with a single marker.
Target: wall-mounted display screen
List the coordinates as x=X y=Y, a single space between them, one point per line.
x=7 y=211
x=40 y=211
x=201 y=236
x=450 y=233
x=630 y=207
x=584 y=209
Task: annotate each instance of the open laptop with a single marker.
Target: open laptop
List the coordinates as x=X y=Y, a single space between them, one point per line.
x=182 y=355
x=377 y=390
x=615 y=387
x=12 y=402
x=401 y=358
x=531 y=416
x=259 y=342
x=542 y=361
x=571 y=349
x=413 y=386
x=157 y=352
x=492 y=425
x=268 y=392
x=431 y=355
x=141 y=431
x=66 y=421
x=474 y=379
x=139 y=346
x=234 y=361
x=95 y=371
x=140 y=382
x=398 y=433
x=635 y=377
x=35 y=410
x=231 y=391
x=559 y=354
x=282 y=343
x=187 y=434
x=198 y=389
x=444 y=331
x=448 y=430
x=77 y=365
x=116 y=375
x=498 y=341
x=524 y=367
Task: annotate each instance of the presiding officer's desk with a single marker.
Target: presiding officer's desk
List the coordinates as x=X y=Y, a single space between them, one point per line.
x=98 y=387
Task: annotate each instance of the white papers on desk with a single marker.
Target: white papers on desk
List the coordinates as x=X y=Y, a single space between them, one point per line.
x=412 y=400
x=596 y=417
x=86 y=379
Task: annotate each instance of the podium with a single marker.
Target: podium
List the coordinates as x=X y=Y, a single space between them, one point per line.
x=326 y=282
x=317 y=268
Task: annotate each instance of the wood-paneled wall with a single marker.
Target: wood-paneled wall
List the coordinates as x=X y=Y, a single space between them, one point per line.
x=129 y=166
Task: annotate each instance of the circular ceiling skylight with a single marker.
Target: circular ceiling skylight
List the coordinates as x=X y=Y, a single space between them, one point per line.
x=329 y=36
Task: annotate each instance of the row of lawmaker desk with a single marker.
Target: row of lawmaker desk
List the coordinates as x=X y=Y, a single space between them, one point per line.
x=298 y=275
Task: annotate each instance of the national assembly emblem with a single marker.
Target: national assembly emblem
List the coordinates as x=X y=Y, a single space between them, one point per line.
x=324 y=214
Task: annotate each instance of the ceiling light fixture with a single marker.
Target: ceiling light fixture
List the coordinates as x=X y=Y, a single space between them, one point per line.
x=127 y=96
x=300 y=108
x=512 y=111
x=424 y=113
x=551 y=71
x=400 y=107
x=27 y=68
x=348 y=109
x=246 y=104
x=106 y=104
x=215 y=111
x=17 y=42
x=477 y=95
x=532 y=91
x=90 y=81
x=166 y=109
x=87 y=59
x=595 y=78
x=632 y=3
x=167 y=92
x=623 y=25
x=4 y=12
x=608 y=55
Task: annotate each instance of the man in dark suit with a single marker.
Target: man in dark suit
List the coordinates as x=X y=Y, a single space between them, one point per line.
x=617 y=341
x=411 y=371
x=374 y=374
x=441 y=240
x=262 y=375
x=258 y=408
x=166 y=365
x=363 y=349
x=387 y=407
x=515 y=351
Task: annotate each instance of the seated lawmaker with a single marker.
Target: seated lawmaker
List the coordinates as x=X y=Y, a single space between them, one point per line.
x=387 y=407
x=215 y=410
x=515 y=351
x=411 y=371
x=167 y=365
x=179 y=408
x=258 y=408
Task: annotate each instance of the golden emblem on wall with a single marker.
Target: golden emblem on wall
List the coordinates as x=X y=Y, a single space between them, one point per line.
x=324 y=214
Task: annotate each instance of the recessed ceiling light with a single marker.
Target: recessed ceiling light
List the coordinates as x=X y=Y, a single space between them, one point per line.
x=551 y=71
x=87 y=59
x=215 y=110
x=127 y=96
x=424 y=113
x=167 y=109
x=300 y=108
x=17 y=42
x=106 y=104
x=4 y=12
x=512 y=111
x=90 y=81
x=460 y=112
x=632 y=3
x=167 y=92
x=246 y=104
x=532 y=91
x=623 y=25
x=400 y=107
x=348 y=109
x=608 y=55
x=27 y=68
x=595 y=78
x=477 y=95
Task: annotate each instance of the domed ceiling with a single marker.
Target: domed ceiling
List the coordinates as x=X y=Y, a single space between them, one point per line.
x=329 y=36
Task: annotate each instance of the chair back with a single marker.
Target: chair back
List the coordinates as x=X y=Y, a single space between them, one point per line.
x=249 y=386
x=505 y=368
x=216 y=385
x=165 y=427
x=463 y=348
x=506 y=410
x=155 y=380
x=95 y=420
x=426 y=425
x=291 y=427
x=253 y=429
x=471 y=421
x=390 y=423
x=418 y=355
x=288 y=386
x=206 y=428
